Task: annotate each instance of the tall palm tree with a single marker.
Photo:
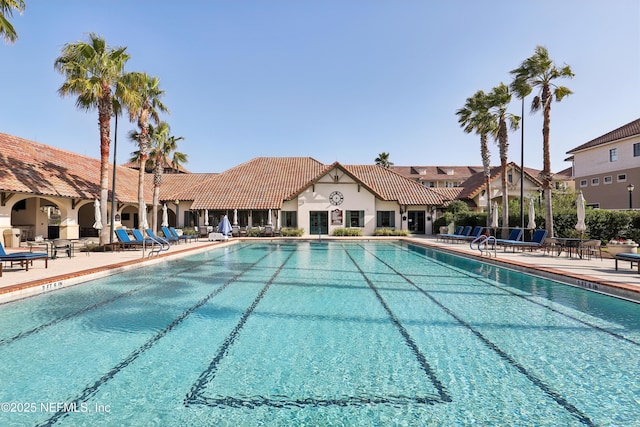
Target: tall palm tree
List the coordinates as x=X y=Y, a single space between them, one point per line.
x=383 y=160
x=475 y=117
x=162 y=152
x=147 y=106
x=539 y=72
x=498 y=101
x=6 y=11
x=94 y=72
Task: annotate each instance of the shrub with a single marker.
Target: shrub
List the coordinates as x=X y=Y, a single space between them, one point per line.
x=291 y=232
x=390 y=232
x=347 y=232
x=189 y=231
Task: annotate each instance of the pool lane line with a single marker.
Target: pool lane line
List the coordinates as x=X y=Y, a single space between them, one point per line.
x=24 y=334
x=486 y=281
x=422 y=360
x=92 y=389
x=194 y=395
x=559 y=399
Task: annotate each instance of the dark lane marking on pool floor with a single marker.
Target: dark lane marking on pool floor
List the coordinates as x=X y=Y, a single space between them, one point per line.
x=557 y=397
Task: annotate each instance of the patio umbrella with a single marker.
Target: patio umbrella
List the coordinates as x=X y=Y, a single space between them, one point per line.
x=494 y=215
x=580 y=226
x=532 y=215
x=145 y=224
x=165 y=216
x=269 y=218
x=98 y=216
x=235 y=217
x=206 y=217
x=224 y=227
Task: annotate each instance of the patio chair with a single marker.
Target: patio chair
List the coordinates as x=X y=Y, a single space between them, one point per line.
x=24 y=258
x=589 y=248
x=138 y=236
x=632 y=258
x=62 y=245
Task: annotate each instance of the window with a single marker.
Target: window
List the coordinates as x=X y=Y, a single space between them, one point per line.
x=289 y=219
x=595 y=181
x=510 y=178
x=622 y=177
x=386 y=219
x=613 y=155
x=355 y=219
x=636 y=149
x=608 y=179
x=583 y=183
x=593 y=205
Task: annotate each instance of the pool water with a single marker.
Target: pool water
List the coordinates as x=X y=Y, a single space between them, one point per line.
x=319 y=334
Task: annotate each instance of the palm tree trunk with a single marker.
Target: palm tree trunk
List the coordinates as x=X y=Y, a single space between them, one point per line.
x=546 y=161
x=104 y=123
x=503 y=141
x=486 y=164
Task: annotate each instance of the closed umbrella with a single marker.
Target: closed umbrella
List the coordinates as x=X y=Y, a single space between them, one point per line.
x=165 y=216
x=224 y=227
x=580 y=226
x=206 y=217
x=269 y=218
x=532 y=215
x=494 y=215
x=98 y=216
x=235 y=217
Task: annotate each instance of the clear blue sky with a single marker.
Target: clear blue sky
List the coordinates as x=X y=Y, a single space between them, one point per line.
x=336 y=80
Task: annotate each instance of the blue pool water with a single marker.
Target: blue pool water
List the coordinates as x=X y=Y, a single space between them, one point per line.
x=319 y=334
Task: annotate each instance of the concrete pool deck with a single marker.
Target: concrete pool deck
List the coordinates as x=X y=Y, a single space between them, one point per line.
x=593 y=274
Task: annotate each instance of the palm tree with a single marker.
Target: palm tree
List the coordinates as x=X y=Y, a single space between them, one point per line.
x=475 y=117
x=6 y=10
x=540 y=72
x=147 y=106
x=383 y=160
x=163 y=151
x=94 y=72
x=498 y=101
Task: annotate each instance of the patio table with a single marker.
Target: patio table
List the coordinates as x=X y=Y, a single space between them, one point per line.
x=569 y=245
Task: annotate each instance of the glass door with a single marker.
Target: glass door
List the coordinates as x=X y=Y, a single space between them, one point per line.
x=416 y=222
x=318 y=222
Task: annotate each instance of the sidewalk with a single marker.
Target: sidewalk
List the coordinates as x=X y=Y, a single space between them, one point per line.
x=594 y=274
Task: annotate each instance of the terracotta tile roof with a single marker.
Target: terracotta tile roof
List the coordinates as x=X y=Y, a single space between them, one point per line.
x=260 y=183
x=134 y=165
x=448 y=193
x=437 y=173
x=475 y=184
x=182 y=186
x=626 y=131
x=34 y=168
x=390 y=185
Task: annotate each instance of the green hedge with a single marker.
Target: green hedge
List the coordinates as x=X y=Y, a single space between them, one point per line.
x=390 y=232
x=347 y=232
x=291 y=232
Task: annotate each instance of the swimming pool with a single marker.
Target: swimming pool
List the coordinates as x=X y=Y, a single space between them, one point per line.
x=320 y=334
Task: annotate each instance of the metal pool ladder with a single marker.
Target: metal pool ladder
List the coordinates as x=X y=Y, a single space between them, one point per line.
x=482 y=243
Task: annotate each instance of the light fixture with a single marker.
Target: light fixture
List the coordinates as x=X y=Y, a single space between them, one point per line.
x=630 y=189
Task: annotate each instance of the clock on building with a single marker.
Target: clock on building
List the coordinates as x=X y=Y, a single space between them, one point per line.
x=336 y=198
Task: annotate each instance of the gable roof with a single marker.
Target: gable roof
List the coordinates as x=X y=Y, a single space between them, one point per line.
x=437 y=173
x=476 y=183
x=33 y=168
x=625 y=131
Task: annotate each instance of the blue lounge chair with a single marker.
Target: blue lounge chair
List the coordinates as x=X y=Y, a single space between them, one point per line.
x=137 y=234
x=632 y=258
x=535 y=243
x=457 y=232
x=167 y=239
x=171 y=231
x=514 y=236
x=24 y=258
x=472 y=236
x=126 y=241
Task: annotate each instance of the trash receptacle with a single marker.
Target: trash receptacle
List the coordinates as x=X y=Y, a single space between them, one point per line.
x=12 y=238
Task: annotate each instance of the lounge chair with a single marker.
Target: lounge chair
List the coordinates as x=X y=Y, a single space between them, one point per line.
x=24 y=258
x=472 y=236
x=461 y=231
x=139 y=237
x=536 y=242
x=167 y=239
x=632 y=258
x=125 y=241
x=514 y=236
x=185 y=237
x=214 y=235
